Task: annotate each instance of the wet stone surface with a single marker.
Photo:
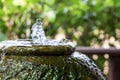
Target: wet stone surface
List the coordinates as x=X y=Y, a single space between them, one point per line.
x=47 y=68
x=24 y=70
x=20 y=59
x=25 y=47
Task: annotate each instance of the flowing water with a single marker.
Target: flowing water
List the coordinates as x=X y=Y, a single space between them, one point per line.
x=39 y=39
x=90 y=64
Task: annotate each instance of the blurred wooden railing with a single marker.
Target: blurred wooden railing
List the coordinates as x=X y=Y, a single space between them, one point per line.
x=114 y=59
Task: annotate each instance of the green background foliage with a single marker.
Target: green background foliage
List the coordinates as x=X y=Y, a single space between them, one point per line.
x=83 y=21
x=86 y=22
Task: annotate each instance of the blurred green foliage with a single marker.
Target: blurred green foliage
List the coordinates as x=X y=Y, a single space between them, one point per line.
x=87 y=22
x=83 y=21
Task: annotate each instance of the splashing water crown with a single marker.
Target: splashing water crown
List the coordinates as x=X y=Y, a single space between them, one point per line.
x=38 y=34
x=39 y=38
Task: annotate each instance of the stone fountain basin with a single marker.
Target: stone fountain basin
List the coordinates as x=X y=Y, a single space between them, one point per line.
x=25 y=47
x=22 y=60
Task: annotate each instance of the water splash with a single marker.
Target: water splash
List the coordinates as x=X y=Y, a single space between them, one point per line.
x=90 y=64
x=38 y=34
x=39 y=38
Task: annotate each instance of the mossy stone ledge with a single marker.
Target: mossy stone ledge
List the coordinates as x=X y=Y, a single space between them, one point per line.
x=25 y=47
x=34 y=62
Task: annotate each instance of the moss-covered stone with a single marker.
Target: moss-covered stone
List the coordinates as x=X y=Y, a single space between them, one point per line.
x=65 y=67
x=44 y=68
x=35 y=62
x=25 y=47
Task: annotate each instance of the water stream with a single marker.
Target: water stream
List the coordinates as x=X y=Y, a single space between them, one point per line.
x=39 y=38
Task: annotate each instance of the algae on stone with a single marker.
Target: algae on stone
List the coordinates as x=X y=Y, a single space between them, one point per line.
x=64 y=67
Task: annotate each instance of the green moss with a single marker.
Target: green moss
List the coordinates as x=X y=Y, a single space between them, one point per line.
x=44 y=68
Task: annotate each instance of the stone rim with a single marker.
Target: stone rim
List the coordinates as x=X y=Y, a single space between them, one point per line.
x=29 y=49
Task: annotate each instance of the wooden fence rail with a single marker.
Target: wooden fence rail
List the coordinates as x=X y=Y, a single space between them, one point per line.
x=114 y=59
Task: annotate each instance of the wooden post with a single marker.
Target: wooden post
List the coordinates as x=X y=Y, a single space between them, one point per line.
x=114 y=68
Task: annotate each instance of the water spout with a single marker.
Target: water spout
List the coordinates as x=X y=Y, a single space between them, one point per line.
x=39 y=38
x=38 y=34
